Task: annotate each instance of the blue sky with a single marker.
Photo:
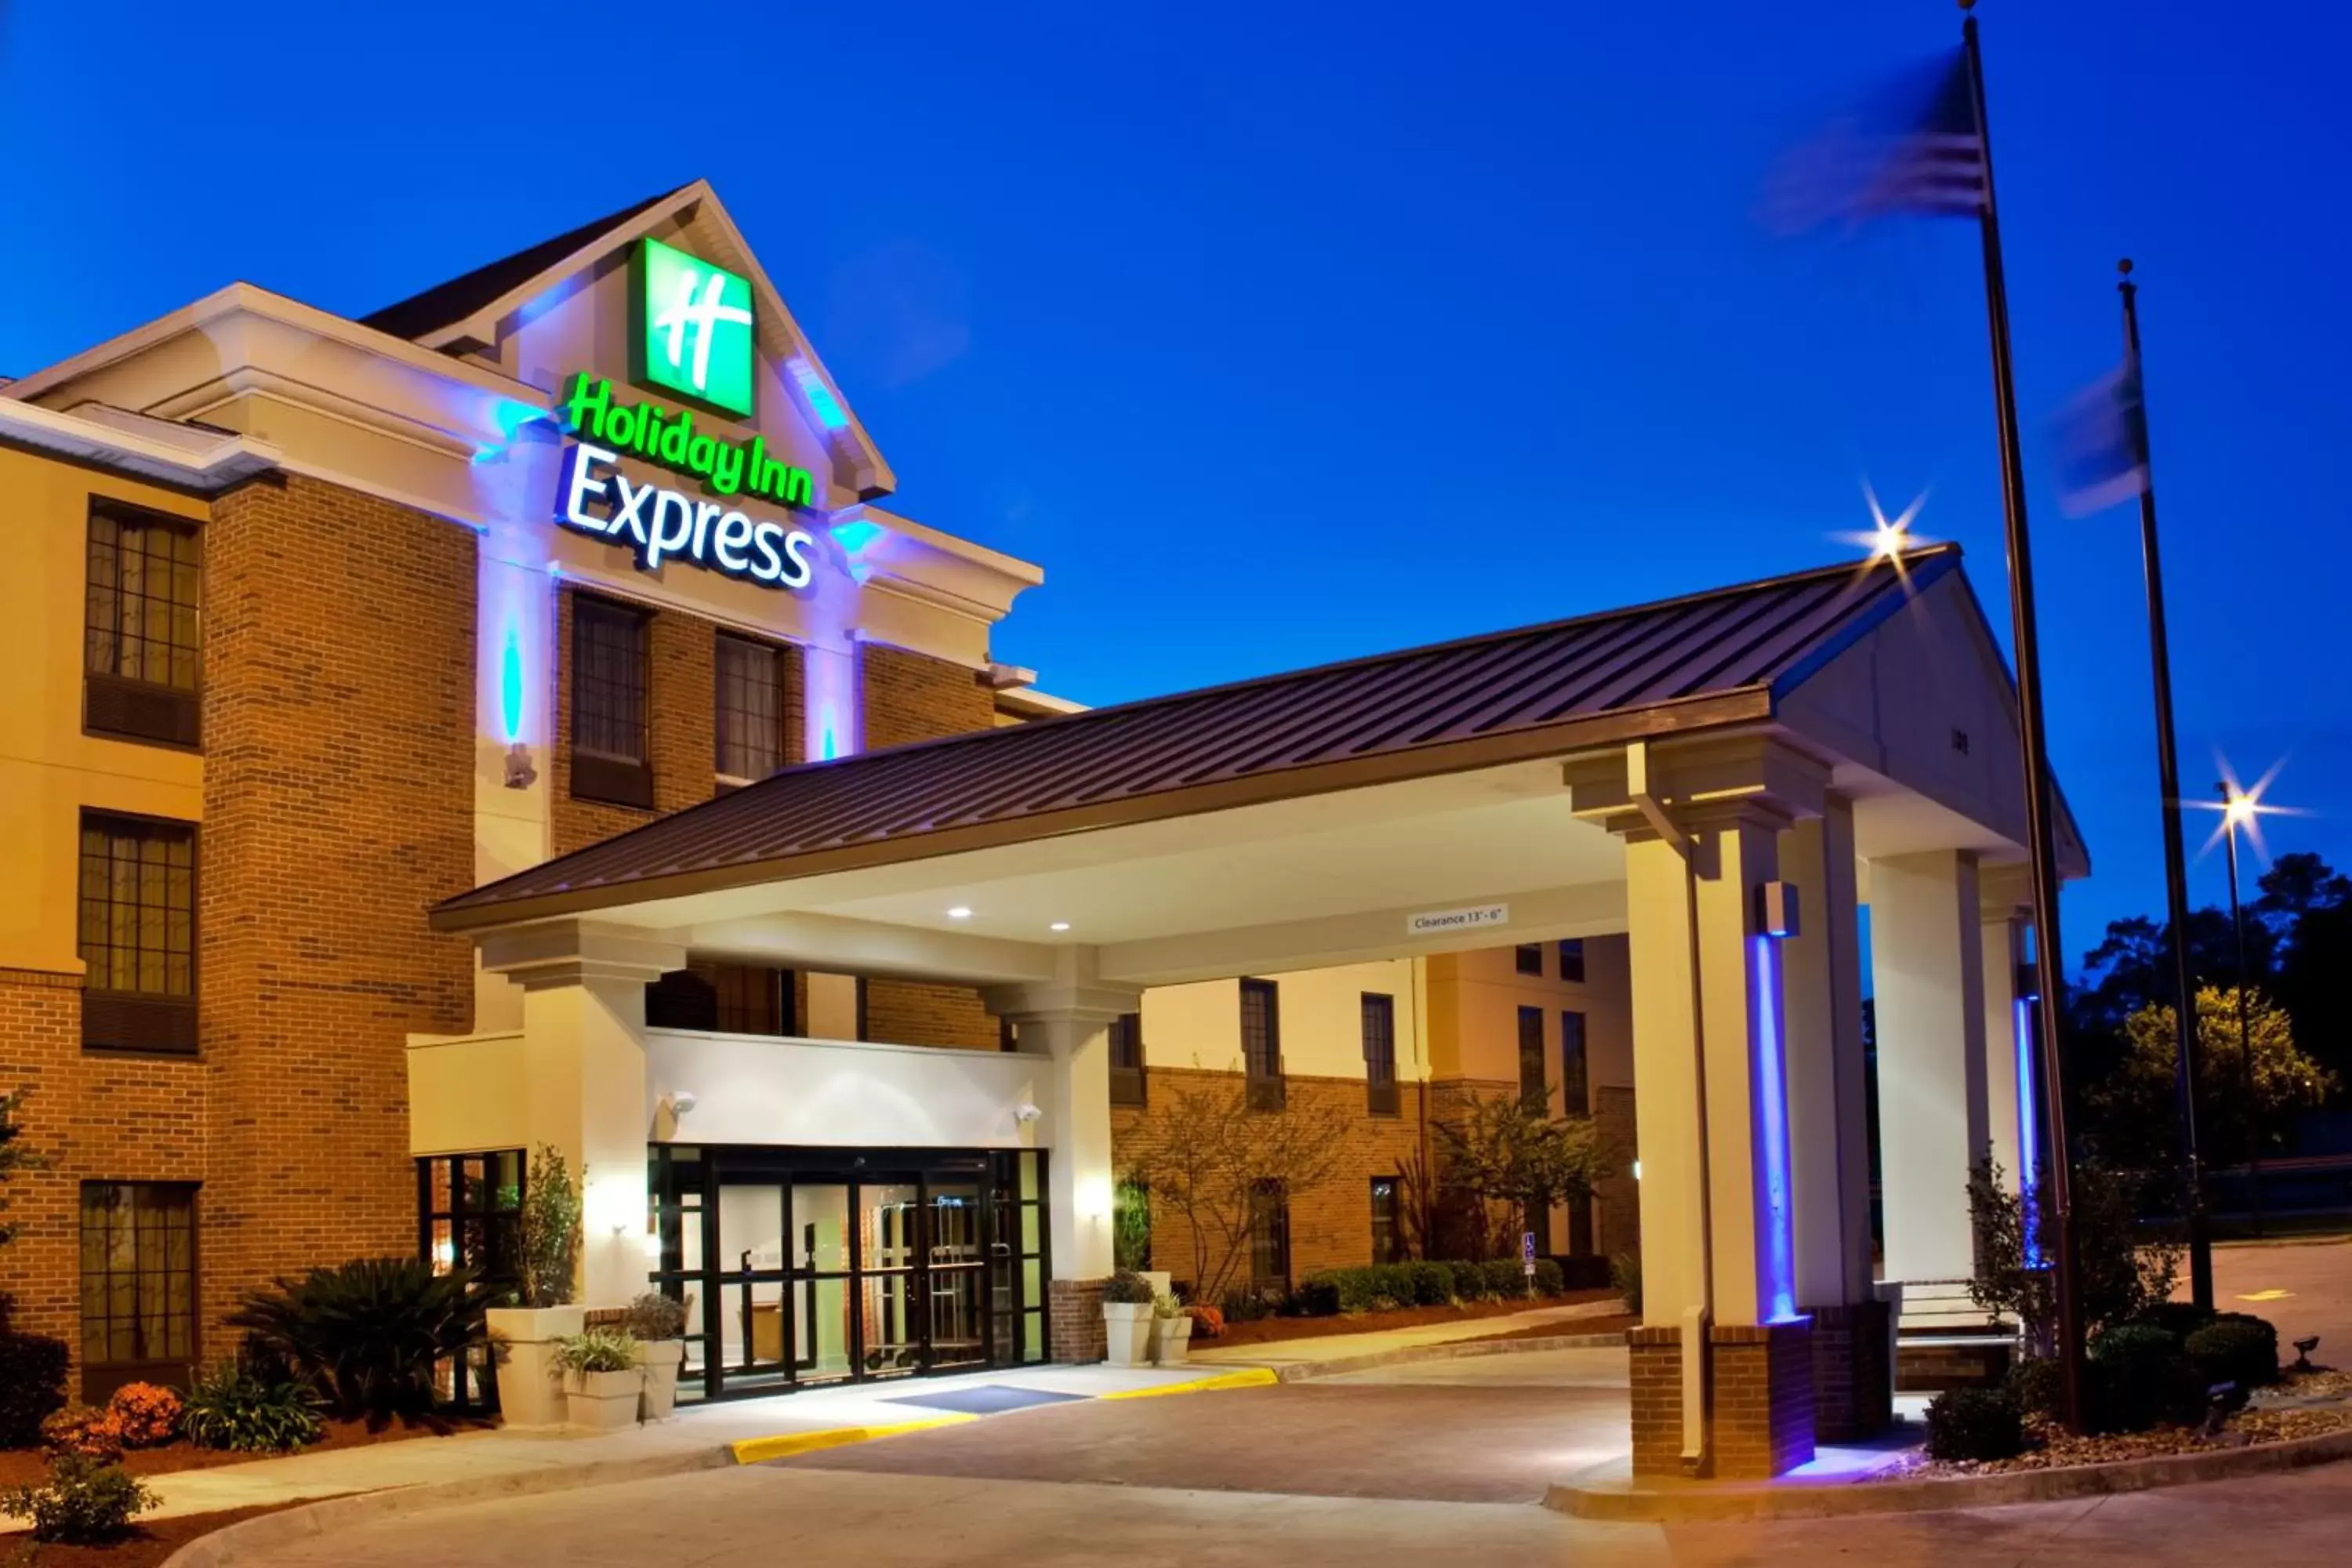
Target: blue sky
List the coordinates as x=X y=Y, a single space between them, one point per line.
x=1277 y=340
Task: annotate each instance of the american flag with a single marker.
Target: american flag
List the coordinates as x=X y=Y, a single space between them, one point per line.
x=1916 y=148
x=2103 y=442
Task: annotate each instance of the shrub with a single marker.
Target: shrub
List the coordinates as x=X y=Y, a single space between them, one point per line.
x=1318 y=1296
x=2178 y=1319
x=1506 y=1281
x=245 y=1412
x=2037 y=1385
x=367 y=1334
x=1248 y=1304
x=1127 y=1288
x=1469 y=1281
x=1550 y=1280
x=2139 y=1378
x=551 y=1229
x=32 y=1386
x=1974 y=1424
x=147 y=1417
x=653 y=1316
x=598 y=1350
x=2236 y=1348
x=1432 y=1284
x=1625 y=1273
x=84 y=1502
x=1207 y=1321
x=85 y=1430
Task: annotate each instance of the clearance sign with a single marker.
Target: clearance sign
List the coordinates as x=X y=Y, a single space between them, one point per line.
x=691 y=337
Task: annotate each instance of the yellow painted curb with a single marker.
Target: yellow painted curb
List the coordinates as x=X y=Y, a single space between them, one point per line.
x=1252 y=1377
x=754 y=1450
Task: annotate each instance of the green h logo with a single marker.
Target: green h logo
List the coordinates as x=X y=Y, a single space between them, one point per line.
x=692 y=332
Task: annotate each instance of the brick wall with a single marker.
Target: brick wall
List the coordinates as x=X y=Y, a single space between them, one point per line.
x=1854 y=1386
x=908 y=697
x=1761 y=1405
x=339 y=718
x=1074 y=1310
x=1620 y=1229
x=1330 y=1225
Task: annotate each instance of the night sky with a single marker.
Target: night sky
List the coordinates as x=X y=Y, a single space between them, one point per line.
x=1278 y=342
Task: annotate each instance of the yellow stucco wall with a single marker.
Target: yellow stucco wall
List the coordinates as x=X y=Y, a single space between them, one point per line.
x=1474 y=1013
x=48 y=769
x=1199 y=1025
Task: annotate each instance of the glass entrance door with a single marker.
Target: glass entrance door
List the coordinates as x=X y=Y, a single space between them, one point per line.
x=955 y=1279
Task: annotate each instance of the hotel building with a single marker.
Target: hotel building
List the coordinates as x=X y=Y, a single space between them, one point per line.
x=515 y=719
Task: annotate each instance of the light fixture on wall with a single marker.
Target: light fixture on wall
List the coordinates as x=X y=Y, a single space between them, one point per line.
x=521 y=772
x=1059 y=925
x=1027 y=1114
x=681 y=1101
x=960 y=913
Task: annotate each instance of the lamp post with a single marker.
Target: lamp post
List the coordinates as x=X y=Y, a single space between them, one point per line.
x=2238 y=811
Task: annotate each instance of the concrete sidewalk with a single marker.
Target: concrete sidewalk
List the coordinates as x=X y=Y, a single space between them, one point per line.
x=1293 y=1355
x=697 y=1437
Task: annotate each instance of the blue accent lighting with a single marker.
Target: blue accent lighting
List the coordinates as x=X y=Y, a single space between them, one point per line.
x=1772 y=1089
x=820 y=401
x=2029 y=1130
x=854 y=537
x=510 y=686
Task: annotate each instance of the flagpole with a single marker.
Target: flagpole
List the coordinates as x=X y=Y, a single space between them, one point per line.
x=2176 y=874
x=2048 y=950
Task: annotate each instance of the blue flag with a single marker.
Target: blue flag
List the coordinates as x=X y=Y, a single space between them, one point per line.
x=1917 y=147
x=2103 y=444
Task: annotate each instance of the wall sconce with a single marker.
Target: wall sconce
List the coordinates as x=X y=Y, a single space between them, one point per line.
x=521 y=773
x=681 y=1101
x=1027 y=1114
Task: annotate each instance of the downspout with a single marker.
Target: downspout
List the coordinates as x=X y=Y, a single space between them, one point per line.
x=1697 y=1318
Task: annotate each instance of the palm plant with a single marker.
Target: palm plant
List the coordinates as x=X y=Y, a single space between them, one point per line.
x=367 y=1334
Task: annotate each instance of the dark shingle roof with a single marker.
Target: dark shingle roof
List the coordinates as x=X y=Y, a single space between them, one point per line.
x=460 y=297
x=1708 y=660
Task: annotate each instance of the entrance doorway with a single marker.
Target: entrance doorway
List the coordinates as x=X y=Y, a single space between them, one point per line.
x=817 y=1266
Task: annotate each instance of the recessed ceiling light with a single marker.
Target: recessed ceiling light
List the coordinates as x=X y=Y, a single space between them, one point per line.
x=958 y=913
x=1059 y=925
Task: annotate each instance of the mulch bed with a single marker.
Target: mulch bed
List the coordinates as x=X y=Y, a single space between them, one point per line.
x=25 y=1467
x=1266 y=1330
x=146 y=1546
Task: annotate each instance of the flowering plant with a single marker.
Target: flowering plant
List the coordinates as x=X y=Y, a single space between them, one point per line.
x=83 y=1429
x=1207 y=1321
x=146 y=1415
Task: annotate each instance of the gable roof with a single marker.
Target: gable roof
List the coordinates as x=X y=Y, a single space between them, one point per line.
x=445 y=304
x=1706 y=661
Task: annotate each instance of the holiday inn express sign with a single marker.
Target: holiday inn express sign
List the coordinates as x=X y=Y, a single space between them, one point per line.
x=690 y=338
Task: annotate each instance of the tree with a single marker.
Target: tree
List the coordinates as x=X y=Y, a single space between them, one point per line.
x=2119 y=1279
x=15 y=1156
x=2307 y=908
x=1504 y=1152
x=1204 y=1152
x=2280 y=1078
x=551 y=1230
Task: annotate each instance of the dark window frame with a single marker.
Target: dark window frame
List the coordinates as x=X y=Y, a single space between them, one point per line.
x=1575 y=1063
x=602 y=771
x=1129 y=1082
x=1262 y=1071
x=1377 y=1013
x=719 y=996
x=137 y=1019
x=102 y=1373
x=139 y=708
x=1269 y=1253
x=1532 y=1054
x=1572 y=960
x=1388 y=1240
x=1526 y=958
x=728 y=712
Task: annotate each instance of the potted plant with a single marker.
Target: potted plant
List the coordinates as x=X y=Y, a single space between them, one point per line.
x=600 y=1380
x=530 y=1385
x=1126 y=1318
x=1172 y=1331
x=657 y=1325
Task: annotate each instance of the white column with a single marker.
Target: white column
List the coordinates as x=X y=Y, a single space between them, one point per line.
x=583 y=1043
x=1069 y=1019
x=2005 y=947
x=1662 y=945
x=1829 y=1127
x=1928 y=975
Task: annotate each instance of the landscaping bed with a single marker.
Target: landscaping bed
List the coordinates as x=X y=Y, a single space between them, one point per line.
x=148 y=1545
x=25 y=1466
x=1613 y=1323
x=1266 y=1330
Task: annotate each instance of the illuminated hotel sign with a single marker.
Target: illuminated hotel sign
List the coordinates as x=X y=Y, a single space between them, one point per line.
x=690 y=329
x=657 y=523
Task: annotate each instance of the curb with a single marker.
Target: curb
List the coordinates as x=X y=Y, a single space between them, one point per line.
x=1686 y=1503
x=759 y=1450
x=1452 y=1350
x=302 y=1522
x=1246 y=1377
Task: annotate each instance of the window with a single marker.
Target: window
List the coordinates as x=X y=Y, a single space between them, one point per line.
x=1380 y=1054
x=750 y=717
x=1576 y=1087
x=138 y=1283
x=1531 y=1062
x=1386 y=1245
x=469 y=1215
x=1262 y=1044
x=728 y=998
x=137 y=934
x=1126 y=1085
x=609 y=703
x=1269 y=1233
x=141 y=641
x=1527 y=958
x=1572 y=959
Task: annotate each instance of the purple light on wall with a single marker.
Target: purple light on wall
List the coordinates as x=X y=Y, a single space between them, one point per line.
x=1778 y=1240
x=2028 y=1132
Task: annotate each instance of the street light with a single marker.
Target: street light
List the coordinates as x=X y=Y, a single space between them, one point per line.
x=2239 y=809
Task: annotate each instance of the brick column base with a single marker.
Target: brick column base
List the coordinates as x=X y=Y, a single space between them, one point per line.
x=1854 y=1386
x=1074 y=1310
x=1761 y=1405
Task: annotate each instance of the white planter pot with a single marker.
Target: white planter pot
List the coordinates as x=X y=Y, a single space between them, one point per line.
x=1127 y=1330
x=530 y=1386
x=1171 y=1340
x=659 y=1361
x=604 y=1401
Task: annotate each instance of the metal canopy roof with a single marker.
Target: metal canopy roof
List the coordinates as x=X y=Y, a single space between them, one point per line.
x=1704 y=661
